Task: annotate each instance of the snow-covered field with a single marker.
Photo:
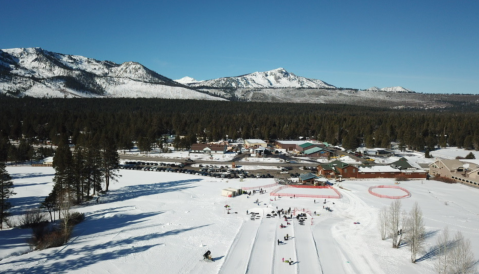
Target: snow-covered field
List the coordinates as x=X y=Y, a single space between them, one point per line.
x=154 y=222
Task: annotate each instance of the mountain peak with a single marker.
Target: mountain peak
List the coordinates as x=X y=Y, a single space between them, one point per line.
x=186 y=80
x=276 y=78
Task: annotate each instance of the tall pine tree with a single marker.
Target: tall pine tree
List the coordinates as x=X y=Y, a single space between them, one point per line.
x=6 y=190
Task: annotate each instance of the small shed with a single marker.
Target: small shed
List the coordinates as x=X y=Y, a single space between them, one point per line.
x=307 y=178
x=230 y=192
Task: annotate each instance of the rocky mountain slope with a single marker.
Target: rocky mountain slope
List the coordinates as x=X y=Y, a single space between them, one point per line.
x=277 y=78
x=40 y=73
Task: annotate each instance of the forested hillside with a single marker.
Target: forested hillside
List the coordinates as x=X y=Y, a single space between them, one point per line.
x=128 y=120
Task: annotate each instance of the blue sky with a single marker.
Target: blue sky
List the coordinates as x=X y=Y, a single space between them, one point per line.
x=426 y=46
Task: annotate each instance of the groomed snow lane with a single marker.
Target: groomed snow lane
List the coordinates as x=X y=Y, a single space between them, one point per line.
x=238 y=256
x=261 y=260
x=308 y=261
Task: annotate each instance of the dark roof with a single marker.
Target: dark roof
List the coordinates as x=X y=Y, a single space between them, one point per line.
x=326 y=167
x=308 y=176
x=305 y=145
x=312 y=150
x=401 y=164
x=213 y=147
x=339 y=164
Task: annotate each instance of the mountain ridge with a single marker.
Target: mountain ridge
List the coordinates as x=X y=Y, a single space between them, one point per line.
x=276 y=78
x=40 y=73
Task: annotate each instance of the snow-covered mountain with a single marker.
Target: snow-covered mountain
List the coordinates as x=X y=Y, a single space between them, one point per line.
x=397 y=89
x=40 y=73
x=277 y=78
x=187 y=80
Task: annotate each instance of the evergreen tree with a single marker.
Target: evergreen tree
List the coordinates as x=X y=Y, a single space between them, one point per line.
x=110 y=161
x=64 y=171
x=6 y=190
x=470 y=156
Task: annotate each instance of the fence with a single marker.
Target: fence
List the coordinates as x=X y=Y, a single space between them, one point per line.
x=258 y=187
x=389 y=196
x=275 y=192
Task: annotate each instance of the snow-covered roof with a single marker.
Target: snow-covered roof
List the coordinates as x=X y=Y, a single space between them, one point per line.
x=378 y=169
x=292 y=142
x=48 y=160
x=254 y=141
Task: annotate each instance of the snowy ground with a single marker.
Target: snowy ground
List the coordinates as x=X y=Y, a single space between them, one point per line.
x=154 y=222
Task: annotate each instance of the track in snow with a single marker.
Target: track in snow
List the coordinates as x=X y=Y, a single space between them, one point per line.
x=286 y=250
x=261 y=260
x=237 y=258
x=308 y=260
x=332 y=258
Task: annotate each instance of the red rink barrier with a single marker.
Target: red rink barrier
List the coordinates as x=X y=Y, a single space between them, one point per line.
x=258 y=187
x=388 y=196
x=275 y=192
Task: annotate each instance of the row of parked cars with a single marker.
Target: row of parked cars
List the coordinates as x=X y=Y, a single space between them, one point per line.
x=212 y=171
x=141 y=165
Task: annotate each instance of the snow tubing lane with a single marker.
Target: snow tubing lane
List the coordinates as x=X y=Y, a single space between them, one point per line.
x=388 y=196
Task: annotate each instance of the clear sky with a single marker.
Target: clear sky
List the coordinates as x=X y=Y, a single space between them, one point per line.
x=426 y=46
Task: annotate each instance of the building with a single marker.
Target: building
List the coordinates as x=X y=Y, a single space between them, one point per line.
x=337 y=169
x=288 y=145
x=402 y=167
x=254 y=143
x=208 y=148
x=307 y=178
x=231 y=192
x=317 y=152
x=466 y=172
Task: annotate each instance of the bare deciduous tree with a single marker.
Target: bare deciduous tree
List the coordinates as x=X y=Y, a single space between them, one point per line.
x=383 y=222
x=443 y=263
x=414 y=231
x=64 y=202
x=462 y=258
x=394 y=224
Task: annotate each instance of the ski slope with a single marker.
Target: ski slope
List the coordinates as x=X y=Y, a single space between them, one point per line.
x=262 y=256
x=308 y=260
x=238 y=256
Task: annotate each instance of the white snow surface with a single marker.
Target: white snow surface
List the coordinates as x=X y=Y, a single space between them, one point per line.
x=277 y=78
x=152 y=222
x=397 y=89
x=187 y=80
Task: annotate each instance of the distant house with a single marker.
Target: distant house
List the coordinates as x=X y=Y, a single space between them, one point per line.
x=336 y=169
x=308 y=178
x=466 y=172
x=48 y=161
x=288 y=145
x=208 y=148
x=254 y=143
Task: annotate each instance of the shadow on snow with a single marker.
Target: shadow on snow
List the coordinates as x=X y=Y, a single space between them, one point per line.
x=132 y=192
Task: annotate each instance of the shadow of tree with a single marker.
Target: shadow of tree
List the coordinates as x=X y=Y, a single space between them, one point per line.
x=35 y=184
x=435 y=251
x=21 y=204
x=132 y=192
x=29 y=175
x=67 y=259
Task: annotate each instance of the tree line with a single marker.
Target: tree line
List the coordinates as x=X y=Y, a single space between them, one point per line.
x=43 y=121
